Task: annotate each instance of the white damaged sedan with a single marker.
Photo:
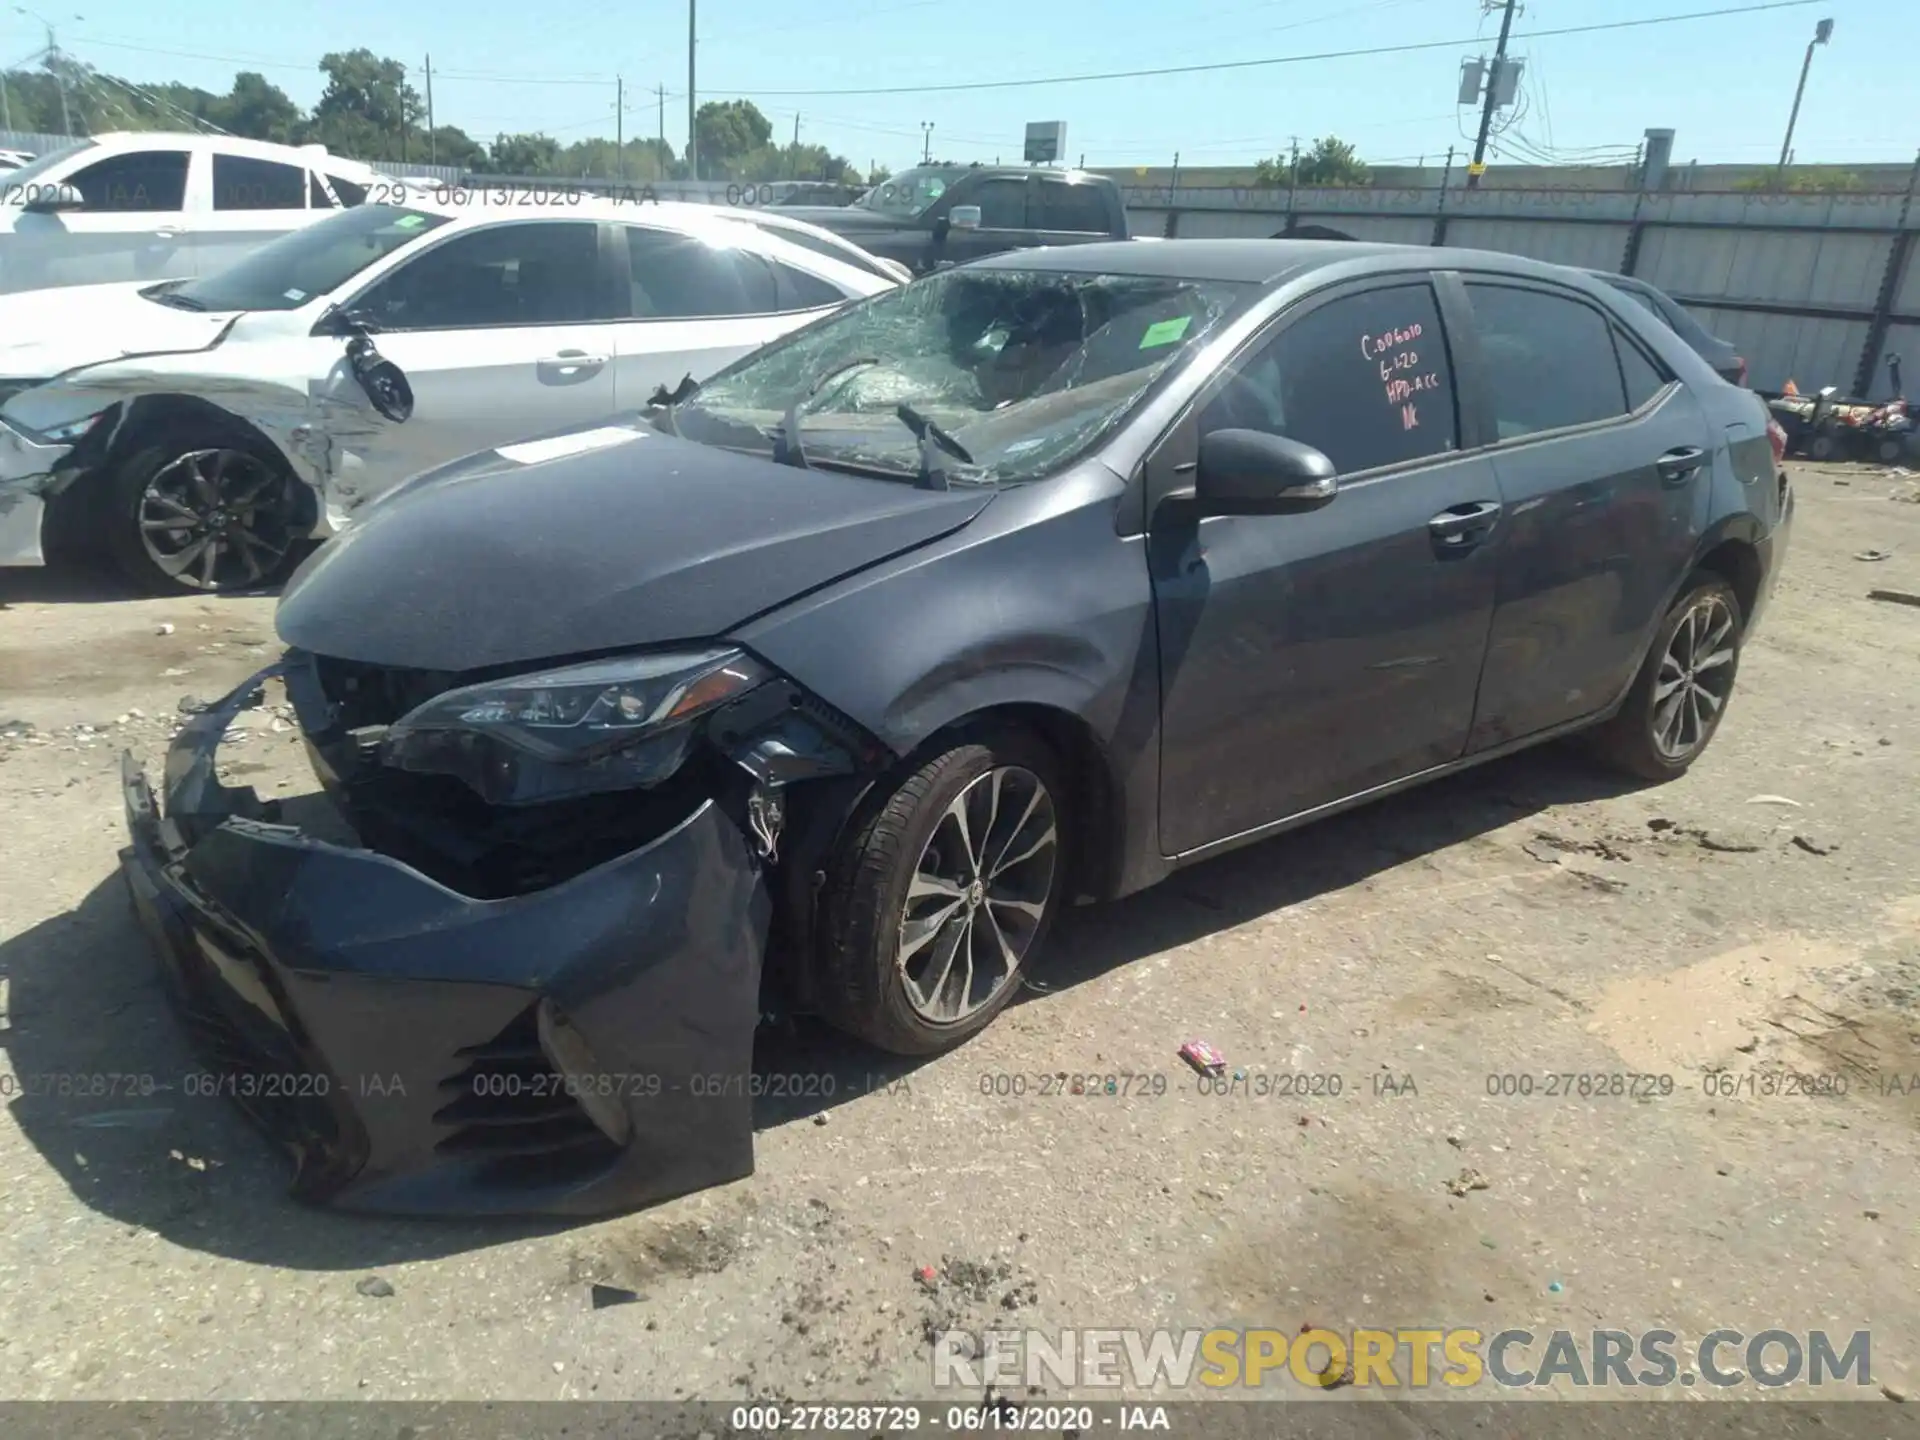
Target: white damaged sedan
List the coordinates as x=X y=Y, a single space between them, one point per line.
x=195 y=431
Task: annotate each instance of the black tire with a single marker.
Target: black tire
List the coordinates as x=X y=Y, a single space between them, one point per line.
x=862 y=983
x=249 y=518
x=1632 y=739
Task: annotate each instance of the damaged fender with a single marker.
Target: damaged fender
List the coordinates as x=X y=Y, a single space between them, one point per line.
x=322 y=428
x=570 y=1051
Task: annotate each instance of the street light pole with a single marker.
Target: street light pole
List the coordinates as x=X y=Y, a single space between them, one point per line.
x=926 y=142
x=1821 y=32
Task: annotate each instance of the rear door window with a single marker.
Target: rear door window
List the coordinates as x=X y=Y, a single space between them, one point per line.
x=142 y=180
x=1077 y=209
x=682 y=277
x=1365 y=379
x=241 y=182
x=1549 y=360
x=1644 y=379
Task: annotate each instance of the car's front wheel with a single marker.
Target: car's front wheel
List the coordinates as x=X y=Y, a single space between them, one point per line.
x=1681 y=693
x=199 y=518
x=942 y=895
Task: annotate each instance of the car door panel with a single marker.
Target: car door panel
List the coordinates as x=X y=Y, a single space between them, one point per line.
x=1596 y=532
x=496 y=379
x=1310 y=657
x=1306 y=658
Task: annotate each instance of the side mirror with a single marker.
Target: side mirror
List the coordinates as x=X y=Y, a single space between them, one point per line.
x=1249 y=472
x=50 y=199
x=964 y=217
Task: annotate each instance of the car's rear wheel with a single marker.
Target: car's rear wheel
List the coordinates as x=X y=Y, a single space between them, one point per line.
x=1681 y=693
x=198 y=518
x=939 y=900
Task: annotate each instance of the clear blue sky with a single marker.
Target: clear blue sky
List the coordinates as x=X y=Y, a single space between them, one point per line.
x=1724 y=84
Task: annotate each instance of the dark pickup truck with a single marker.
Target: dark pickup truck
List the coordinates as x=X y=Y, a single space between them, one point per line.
x=933 y=216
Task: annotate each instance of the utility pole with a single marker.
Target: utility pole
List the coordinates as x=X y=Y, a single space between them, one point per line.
x=926 y=142
x=795 y=167
x=6 y=115
x=661 y=92
x=1478 y=165
x=619 y=132
x=1821 y=31
x=693 y=135
x=433 y=141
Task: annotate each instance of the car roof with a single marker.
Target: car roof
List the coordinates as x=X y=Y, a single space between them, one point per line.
x=1259 y=262
x=304 y=155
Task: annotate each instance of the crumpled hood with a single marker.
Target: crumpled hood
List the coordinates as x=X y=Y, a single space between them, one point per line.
x=44 y=333
x=529 y=553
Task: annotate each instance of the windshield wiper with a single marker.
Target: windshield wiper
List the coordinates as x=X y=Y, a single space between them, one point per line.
x=178 y=301
x=933 y=439
x=787 y=448
x=663 y=398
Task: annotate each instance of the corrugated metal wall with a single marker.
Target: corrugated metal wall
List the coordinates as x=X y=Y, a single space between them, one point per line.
x=1800 y=283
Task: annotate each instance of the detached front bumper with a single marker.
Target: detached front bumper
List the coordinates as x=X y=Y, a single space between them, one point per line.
x=579 y=1050
x=26 y=469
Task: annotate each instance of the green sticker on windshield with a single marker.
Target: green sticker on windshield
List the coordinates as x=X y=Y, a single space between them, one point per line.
x=409 y=222
x=1165 y=332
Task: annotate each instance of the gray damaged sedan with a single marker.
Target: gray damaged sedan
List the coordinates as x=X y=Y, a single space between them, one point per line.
x=827 y=683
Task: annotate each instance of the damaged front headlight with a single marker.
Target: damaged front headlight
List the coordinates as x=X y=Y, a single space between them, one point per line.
x=619 y=724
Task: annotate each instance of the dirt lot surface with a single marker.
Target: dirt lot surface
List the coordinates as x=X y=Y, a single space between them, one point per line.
x=1533 y=918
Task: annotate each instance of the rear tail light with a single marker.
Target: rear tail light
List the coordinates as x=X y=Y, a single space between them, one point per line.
x=1740 y=376
x=1777 y=438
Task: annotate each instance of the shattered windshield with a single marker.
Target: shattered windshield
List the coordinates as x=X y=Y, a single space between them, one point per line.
x=315 y=260
x=911 y=191
x=1023 y=369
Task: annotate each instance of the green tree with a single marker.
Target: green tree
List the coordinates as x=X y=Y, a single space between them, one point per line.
x=729 y=131
x=524 y=155
x=368 y=110
x=1332 y=163
x=257 y=109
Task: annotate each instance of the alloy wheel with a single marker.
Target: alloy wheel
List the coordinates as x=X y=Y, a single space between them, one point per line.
x=1695 y=679
x=216 y=519
x=978 y=895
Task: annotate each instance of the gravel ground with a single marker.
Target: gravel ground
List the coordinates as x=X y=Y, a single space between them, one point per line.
x=1535 y=917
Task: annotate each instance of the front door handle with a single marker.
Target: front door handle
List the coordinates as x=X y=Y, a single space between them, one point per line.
x=1676 y=467
x=571 y=365
x=166 y=233
x=1460 y=527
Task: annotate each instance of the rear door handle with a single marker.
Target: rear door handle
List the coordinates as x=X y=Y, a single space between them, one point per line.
x=1676 y=467
x=1460 y=527
x=571 y=363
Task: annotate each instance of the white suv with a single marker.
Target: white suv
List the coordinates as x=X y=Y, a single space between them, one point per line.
x=156 y=206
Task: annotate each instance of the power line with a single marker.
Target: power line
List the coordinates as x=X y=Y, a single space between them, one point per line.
x=1217 y=66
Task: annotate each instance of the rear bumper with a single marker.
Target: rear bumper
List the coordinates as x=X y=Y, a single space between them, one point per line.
x=580 y=1050
x=1773 y=554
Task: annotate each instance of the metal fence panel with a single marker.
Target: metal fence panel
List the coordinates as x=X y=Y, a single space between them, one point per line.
x=1787 y=267
x=1593 y=247
x=1779 y=348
